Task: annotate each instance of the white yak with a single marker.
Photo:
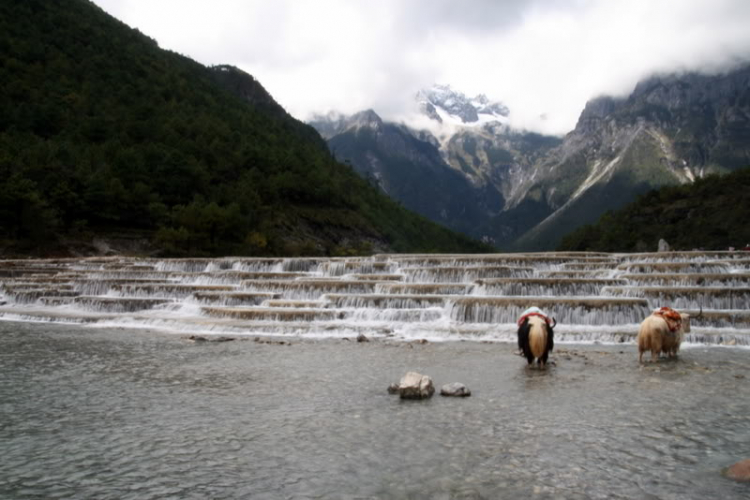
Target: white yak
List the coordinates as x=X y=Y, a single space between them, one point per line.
x=662 y=332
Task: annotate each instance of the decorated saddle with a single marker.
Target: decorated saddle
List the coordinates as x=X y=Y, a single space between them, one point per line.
x=533 y=311
x=672 y=317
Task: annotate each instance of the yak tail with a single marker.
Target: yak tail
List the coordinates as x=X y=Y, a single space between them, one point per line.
x=550 y=338
x=538 y=339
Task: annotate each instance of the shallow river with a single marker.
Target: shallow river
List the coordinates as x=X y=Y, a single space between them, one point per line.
x=113 y=413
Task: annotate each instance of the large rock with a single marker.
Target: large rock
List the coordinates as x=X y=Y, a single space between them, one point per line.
x=455 y=389
x=739 y=471
x=416 y=386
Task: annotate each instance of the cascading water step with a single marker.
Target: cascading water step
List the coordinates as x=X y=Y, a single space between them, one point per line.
x=119 y=304
x=688 y=297
x=272 y=314
x=545 y=286
x=309 y=289
x=234 y=298
x=593 y=296
x=575 y=310
x=168 y=289
x=689 y=279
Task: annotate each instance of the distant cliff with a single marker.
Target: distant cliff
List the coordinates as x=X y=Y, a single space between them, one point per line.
x=670 y=130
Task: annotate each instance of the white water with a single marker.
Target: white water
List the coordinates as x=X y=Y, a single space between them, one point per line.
x=594 y=297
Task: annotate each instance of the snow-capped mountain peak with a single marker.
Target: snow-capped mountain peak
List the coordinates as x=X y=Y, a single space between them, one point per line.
x=444 y=104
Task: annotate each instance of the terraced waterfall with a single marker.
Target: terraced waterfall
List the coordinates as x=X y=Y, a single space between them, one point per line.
x=593 y=296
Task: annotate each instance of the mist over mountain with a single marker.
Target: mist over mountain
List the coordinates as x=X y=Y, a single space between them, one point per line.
x=409 y=167
x=672 y=129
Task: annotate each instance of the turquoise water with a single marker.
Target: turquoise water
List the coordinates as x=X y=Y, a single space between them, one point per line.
x=115 y=413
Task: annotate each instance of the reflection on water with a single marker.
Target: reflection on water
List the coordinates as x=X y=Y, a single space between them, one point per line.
x=88 y=413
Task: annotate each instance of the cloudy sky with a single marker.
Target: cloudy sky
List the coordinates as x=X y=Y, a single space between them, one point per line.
x=542 y=58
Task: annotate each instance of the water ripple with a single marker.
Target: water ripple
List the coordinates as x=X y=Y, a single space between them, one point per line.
x=95 y=414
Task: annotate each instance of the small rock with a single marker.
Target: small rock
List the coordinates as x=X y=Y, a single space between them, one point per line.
x=271 y=342
x=393 y=389
x=416 y=386
x=197 y=338
x=362 y=338
x=455 y=389
x=739 y=471
x=663 y=246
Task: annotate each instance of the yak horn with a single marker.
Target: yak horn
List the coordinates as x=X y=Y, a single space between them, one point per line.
x=700 y=314
x=554 y=323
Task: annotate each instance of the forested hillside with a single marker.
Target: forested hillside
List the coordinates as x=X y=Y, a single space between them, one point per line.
x=102 y=133
x=712 y=214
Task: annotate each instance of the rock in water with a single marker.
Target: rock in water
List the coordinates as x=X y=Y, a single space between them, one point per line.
x=362 y=338
x=416 y=386
x=455 y=389
x=393 y=389
x=663 y=245
x=739 y=471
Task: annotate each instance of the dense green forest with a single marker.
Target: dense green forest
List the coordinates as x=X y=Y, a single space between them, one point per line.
x=104 y=133
x=712 y=214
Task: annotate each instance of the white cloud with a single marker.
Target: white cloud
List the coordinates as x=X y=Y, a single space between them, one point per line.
x=544 y=57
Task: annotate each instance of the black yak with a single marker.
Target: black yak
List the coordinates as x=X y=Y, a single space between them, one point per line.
x=535 y=336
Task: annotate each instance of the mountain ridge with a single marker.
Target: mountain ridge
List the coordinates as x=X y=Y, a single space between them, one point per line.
x=103 y=133
x=671 y=129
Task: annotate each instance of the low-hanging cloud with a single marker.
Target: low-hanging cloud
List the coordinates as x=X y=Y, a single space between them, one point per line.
x=543 y=58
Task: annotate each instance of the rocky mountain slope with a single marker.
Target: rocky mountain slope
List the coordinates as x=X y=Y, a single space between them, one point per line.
x=458 y=173
x=710 y=213
x=534 y=189
x=670 y=130
x=410 y=168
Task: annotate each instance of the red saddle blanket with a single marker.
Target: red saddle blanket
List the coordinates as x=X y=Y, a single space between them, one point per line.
x=672 y=317
x=523 y=318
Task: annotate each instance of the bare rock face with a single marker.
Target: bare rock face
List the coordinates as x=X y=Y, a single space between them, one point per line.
x=739 y=471
x=456 y=389
x=416 y=386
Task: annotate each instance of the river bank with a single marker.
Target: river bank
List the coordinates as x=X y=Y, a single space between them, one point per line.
x=117 y=413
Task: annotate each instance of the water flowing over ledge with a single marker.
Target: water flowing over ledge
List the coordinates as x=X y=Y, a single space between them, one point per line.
x=595 y=297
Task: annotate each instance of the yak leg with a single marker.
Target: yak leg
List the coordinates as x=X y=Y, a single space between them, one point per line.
x=656 y=345
x=543 y=359
x=530 y=357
